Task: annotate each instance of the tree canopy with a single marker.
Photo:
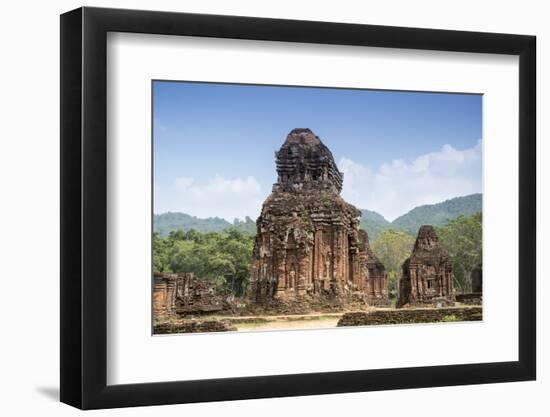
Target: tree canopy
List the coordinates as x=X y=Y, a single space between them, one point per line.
x=222 y=258
x=164 y=223
x=438 y=214
x=462 y=237
x=392 y=248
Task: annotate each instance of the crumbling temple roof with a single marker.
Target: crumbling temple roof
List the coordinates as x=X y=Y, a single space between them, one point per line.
x=427 y=273
x=304 y=162
x=427 y=246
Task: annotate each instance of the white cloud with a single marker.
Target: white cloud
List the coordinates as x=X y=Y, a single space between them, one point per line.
x=219 y=196
x=393 y=189
x=183 y=182
x=398 y=186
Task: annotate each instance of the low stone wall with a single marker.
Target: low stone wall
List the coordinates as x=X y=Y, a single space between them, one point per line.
x=411 y=315
x=193 y=326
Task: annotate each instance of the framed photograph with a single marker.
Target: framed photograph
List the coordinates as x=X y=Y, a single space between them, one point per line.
x=259 y=208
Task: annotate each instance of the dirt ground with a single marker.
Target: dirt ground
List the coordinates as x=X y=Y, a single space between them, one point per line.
x=317 y=320
x=310 y=321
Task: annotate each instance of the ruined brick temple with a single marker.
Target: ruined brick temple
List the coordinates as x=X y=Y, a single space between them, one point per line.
x=308 y=240
x=183 y=294
x=428 y=273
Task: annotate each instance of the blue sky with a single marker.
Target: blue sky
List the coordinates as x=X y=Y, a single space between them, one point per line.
x=214 y=145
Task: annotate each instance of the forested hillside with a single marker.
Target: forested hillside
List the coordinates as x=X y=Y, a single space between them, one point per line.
x=438 y=214
x=374 y=223
x=165 y=223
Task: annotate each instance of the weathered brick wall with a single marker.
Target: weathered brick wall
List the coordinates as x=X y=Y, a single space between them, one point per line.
x=406 y=316
x=183 y=294
x=164 y=294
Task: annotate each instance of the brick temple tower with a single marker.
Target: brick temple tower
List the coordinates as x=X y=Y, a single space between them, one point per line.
x=428 y=273
x=308 y=240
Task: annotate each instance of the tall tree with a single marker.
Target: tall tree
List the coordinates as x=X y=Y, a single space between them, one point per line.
x=392 y=248
x=462 y=237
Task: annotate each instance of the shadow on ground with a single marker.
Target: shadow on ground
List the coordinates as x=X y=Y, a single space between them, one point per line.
x=50 y=392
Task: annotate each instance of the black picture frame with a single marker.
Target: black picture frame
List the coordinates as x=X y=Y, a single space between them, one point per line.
x=84 y=207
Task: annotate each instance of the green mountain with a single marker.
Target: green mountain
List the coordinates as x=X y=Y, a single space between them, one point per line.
x=164 y=223
x=374 y=223
x=438 y=214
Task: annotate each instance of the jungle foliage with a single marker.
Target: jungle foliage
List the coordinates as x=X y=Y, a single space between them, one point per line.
x=222 y=258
